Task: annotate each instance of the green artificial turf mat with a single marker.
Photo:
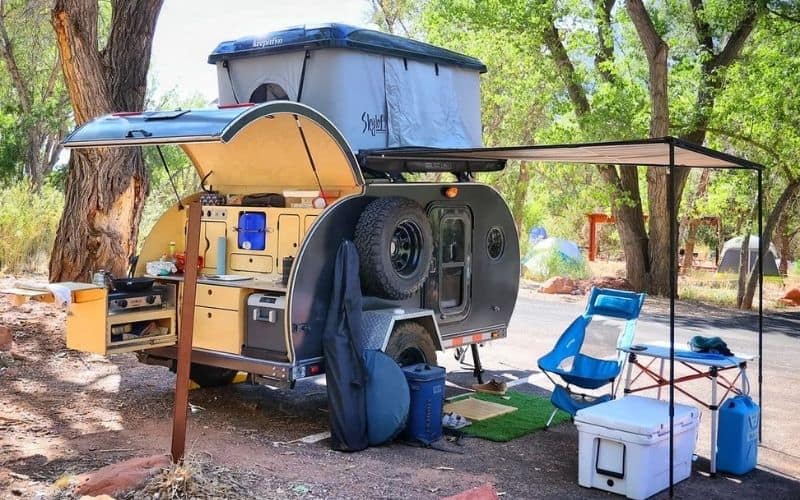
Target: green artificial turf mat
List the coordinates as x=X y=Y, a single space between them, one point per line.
x=531 y=415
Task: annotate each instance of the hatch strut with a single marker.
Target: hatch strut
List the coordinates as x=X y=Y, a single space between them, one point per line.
x=169 y=176
x=308 y=153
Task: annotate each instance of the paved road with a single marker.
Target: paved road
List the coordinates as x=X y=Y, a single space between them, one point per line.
x=538 y=320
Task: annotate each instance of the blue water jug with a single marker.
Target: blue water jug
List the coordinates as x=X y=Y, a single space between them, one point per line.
x=426 y=384
x=737 y=442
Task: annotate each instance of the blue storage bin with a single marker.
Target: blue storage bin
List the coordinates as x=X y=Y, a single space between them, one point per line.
x=426 y=384
x=737 y=441
x=252 y=230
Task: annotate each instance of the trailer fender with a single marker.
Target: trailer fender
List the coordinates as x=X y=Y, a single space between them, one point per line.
x=377 y=326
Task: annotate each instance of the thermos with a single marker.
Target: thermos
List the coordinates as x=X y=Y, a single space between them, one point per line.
x=287 y=268
x=222 y=251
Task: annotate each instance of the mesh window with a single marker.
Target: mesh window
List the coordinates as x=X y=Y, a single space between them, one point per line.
x=268 y=92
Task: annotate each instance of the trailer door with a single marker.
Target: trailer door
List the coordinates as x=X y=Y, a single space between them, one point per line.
x=448 y=288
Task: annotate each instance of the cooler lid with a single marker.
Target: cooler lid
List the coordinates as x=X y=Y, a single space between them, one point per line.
x=423 y=372
x=247 y=148
x=636 y=415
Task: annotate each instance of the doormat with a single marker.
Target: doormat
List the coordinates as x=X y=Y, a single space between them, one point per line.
x=476 y=409
x=531 y=415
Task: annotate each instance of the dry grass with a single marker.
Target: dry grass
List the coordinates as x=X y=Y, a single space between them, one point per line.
x=196 y=478
x=708 y=287
x=612 y=268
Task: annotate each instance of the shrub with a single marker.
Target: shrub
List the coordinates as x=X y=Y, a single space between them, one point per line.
x=28 y=223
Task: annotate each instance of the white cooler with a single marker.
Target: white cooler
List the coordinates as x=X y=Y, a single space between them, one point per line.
x=623 y=445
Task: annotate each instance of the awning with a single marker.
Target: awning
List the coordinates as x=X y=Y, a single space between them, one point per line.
x=644 y=152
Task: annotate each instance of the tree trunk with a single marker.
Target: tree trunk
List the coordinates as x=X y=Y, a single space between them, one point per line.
x=786 y=196
x=783 y=242
x=627 y=209
x=105 y=187
x=694 y=223
x=520 y=193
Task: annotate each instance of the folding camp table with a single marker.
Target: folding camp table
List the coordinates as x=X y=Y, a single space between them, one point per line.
x=700 y=365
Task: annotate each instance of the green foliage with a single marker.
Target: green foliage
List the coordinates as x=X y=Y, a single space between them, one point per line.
x=28 y=223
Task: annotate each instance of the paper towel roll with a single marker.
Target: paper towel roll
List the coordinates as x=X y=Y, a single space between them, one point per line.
x=222 y=252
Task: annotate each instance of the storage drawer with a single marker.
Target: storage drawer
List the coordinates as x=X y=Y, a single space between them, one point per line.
x=220 y=297
x=253 y=263
x=218 y=330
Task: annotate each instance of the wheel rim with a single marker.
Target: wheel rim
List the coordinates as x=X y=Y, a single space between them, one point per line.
x=411 y=356
x=405 y=248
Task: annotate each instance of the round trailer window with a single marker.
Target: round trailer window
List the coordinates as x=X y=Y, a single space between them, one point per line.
x=495 y=242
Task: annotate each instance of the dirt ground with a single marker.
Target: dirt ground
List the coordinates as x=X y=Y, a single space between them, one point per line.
x=63 y=412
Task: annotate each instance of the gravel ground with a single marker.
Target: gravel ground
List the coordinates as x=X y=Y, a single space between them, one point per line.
x=63 y=412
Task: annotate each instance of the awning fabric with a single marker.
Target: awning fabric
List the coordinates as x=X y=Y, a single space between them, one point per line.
x=644 y=152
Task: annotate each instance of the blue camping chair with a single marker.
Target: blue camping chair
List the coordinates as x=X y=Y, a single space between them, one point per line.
x=580 y=370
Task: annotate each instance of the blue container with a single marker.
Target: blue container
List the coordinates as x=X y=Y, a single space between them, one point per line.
x=252 y=230
x=426 y=384
x=737 y=441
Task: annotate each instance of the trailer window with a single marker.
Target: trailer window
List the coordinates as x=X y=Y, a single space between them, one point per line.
x=453 y=240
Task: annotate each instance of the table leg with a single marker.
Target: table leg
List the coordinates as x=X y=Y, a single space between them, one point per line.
x=714 y=421
x=631 y=361
x=661 y=376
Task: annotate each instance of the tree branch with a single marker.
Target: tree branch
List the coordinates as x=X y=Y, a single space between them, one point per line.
x=701 y=28
x=7 y=49
x=737 y=40
x=566 y=70
x=605 y=38
x=656 y=51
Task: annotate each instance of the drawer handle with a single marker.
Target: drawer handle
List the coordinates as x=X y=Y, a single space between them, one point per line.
x=251 y=260
x=209 y=315
x=210 y=292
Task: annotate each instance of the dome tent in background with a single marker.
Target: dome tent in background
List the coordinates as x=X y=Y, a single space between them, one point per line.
x=556 y=257
x=732 y=249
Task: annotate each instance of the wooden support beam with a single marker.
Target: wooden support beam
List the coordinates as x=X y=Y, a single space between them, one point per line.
x=185 y=338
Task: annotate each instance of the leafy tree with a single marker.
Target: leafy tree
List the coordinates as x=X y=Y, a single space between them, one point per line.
x=105 y=188
x=35 y=100
x=613 y=64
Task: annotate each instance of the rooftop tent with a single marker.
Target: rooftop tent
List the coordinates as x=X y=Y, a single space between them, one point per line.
x=731 y=254
x=243 y=149
x=380 y=90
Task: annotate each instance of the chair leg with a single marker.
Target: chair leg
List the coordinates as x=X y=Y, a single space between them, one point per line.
x=550 y=420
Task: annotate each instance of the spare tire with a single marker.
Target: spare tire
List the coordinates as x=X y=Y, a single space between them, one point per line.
x=395 y=246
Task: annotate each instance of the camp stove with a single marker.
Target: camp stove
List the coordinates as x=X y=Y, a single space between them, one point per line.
x=152 y=298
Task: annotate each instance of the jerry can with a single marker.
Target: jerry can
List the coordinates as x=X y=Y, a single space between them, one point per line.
x=737 y=442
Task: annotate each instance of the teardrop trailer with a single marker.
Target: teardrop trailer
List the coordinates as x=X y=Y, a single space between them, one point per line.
x=439 y=260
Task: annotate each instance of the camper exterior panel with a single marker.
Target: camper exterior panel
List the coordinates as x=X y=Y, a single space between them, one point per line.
x=496 y=277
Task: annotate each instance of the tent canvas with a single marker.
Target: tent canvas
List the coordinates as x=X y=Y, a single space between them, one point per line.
x=380 y=90
x=731 y=254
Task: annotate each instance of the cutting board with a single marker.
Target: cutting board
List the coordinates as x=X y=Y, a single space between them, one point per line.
x=477 y=409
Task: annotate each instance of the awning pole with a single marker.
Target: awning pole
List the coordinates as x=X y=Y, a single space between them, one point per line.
x=672 y=292
x=184 y=361
x=760 y=295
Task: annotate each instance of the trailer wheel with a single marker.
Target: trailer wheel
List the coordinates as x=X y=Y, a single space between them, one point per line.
x=395 y=245
x=211 y=376
x=410 y=344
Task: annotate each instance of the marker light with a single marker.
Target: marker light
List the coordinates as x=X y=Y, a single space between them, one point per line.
x=451 y=192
